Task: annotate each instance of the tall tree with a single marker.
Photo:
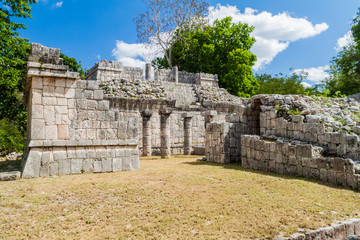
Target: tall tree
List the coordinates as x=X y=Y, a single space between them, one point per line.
x=222 y=48
x=13 y=56
x=345 y=67
x=164 y=22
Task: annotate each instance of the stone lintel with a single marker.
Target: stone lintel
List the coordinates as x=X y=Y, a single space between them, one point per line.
x=146 y=113
x=187 y=115
x=210 y=113
x=165 y=111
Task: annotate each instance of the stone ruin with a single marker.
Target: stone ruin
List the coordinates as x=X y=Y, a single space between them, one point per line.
x=103 y=123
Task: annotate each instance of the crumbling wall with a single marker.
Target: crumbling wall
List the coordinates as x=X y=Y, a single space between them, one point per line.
x=299 y=159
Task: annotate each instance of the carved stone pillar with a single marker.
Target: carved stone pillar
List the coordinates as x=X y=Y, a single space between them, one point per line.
x=146 y=116
x=147 y=71
x=165 y=132
x=187 y=133
x=175 y=74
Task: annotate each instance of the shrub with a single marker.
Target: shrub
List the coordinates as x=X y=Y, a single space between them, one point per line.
x=11 y=140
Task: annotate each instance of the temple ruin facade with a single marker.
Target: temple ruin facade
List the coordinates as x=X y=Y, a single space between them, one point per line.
x=104 y=123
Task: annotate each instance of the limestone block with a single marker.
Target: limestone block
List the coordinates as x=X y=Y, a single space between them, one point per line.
x=53 y=168
x=104 y=105
x=81 y=152
x=46 y=158
x=49 y=101
x=332 y=177
x=64 y=167
x=69 y=93
x=61 y=109
x=71 y=152
x=70 y=83
x=49 y=91
x=36 y=83
x=49 y=82
x=341 y=179
x=117 y=164
x=272 y=166
x=97 y=166
x=279 y=168
x=106 y=164
x=87 y=165
x=60 y=82
x=61 y=101
x=59 y=154
x=81 y=84
x=63 y=132
x=31 y=165
x=352 y=181
x=100 y=153
x=98 y=94
x=91 y=153
x=339 y=165
x=92 y=104
x=76 y=166
x=37 y=111
x=36 y=96
x=59 y=92
x=89 y=94
x=92 y=85
x=51 y=132
x=37 y=129
x=49 y=115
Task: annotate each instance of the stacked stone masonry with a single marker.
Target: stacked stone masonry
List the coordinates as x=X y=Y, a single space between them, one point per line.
x=294 y=135
x=105 y=122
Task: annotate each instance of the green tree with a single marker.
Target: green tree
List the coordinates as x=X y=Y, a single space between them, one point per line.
x=282 y=84
x=345 y=67
x=74 y=65
x=13 y=57
x=222 y=48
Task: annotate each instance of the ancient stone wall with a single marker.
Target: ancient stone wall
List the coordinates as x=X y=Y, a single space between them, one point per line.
x=299 y=159
x=71 y=126
x=113 y=70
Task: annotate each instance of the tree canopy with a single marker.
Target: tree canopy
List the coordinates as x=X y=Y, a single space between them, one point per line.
x=345 y=67
x=222 y=48
x=282 y=84
x=164 y=21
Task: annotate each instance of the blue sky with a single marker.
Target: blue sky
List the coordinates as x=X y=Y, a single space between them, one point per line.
x=290 y=33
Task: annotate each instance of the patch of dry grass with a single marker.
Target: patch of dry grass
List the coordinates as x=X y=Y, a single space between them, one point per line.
x=177 y=198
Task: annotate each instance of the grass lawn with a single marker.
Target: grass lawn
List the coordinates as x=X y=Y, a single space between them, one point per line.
x=177 y=198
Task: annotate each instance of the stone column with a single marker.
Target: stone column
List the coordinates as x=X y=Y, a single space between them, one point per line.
x=187 y=133
x=165 y=132
x=147 y=71
x=209 y=116
x=175 y=72
x=146 y=116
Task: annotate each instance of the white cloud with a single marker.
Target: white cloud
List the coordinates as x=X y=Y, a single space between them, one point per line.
x=135 y=55
x=344 y=41
x=273 y=34
x=314 y=74
x=58 y=4
x=306 y=85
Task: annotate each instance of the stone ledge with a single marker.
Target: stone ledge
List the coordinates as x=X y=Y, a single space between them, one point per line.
x=40 y=73
x=10 y=176
x=81 y=143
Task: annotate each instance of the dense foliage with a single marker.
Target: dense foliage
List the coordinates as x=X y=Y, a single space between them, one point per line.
x=345 y=67
x=282 y=84
x=223 y=49
x=74 y=66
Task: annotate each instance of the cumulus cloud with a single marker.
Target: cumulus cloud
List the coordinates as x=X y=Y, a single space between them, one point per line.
x=314 y=74
x=57 y=4
x=344 y=41
x=306 y=85
x=273 y=33
x=135 y=55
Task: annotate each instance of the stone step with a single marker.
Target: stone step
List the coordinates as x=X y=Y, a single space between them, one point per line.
x=10 y=176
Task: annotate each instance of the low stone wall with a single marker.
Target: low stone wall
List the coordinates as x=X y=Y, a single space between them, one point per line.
x=297 y=158
x=105 y=70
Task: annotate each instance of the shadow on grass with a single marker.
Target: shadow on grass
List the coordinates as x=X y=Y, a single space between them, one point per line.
x=237 y=166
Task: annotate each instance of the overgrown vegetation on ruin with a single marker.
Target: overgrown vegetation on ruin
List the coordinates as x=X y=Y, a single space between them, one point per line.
x=170 y=199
